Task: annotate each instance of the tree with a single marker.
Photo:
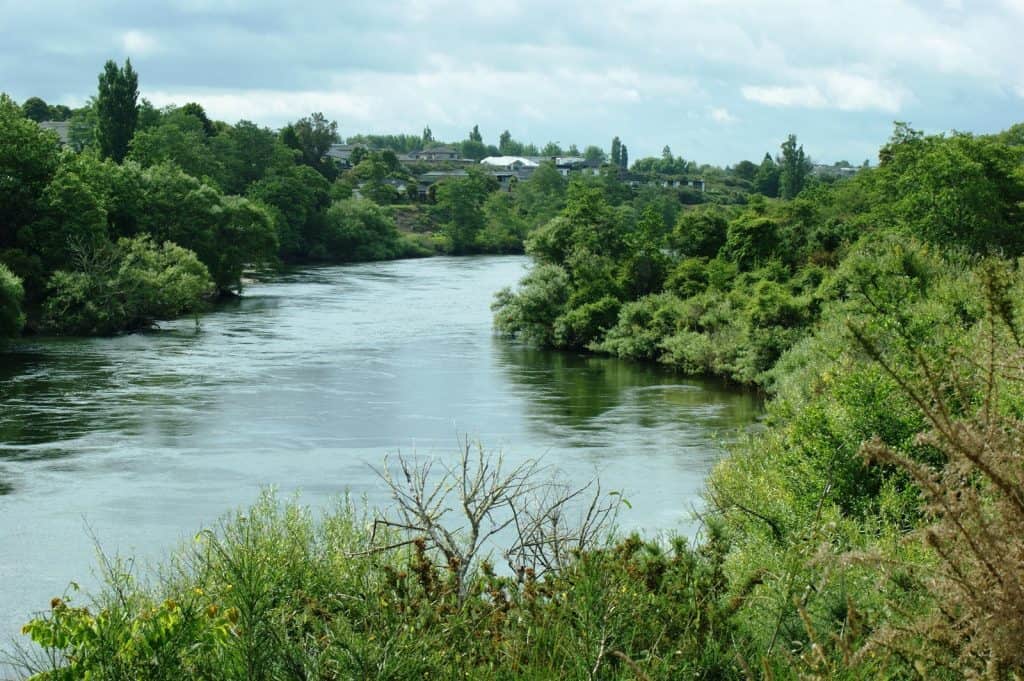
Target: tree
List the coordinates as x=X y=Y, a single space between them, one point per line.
x=766 y=181
x=117 y=109
x=428 y=135
x=247 y=153
x=745 y=170
x=312 y=137
x=594 y=154
x=180 y=137
x=36 y=109
x=460 y=208
x=795 y=169
x=666 y=153
x=28 y=161
x=505 y=143
x=11 y=295
x=474 y=135
x=196 y=110
x=359 y=230
x=624 y=158
x=551 y=149
x=616 y=151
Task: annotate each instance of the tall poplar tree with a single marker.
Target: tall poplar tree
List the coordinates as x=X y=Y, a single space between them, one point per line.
x=794 y=170
x=616 y=151
x=117 y=109
x=624 y=158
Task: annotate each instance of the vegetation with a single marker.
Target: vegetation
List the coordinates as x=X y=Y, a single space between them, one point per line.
x=872 y=530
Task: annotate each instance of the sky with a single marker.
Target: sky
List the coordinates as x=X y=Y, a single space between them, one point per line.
x=718 y=81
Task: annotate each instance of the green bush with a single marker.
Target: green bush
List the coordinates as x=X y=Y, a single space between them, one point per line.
x=11 y=296
x=125 y=288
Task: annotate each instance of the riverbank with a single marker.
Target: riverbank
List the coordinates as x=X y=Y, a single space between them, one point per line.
x=303 y=383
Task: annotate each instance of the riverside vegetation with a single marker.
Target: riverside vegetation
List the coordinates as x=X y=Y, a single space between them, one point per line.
x=875 y=529
x=84 y=229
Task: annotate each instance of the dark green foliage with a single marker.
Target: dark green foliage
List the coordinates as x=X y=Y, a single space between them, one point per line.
x=359 y=230
x=460 y=209
x=11 y=297
x=312 y=137
x=795 y=169
x=767 y=179
x=700 y=233
x=35 y=109
x=28 y=161
x=180 y=137
x=125 y=287
x=117 y=109
x=297 y=197
x=273 y=593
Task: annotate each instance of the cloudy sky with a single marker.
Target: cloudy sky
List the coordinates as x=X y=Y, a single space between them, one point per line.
x=718 y=80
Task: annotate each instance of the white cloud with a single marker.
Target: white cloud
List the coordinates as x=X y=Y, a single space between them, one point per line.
x=832 y=89
x=804 y=96
x=722 y=115
x=138 y=43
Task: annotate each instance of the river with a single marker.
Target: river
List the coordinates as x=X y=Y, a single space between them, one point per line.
x=305 y=383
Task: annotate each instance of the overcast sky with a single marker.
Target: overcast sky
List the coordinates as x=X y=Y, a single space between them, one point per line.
x=719 y=81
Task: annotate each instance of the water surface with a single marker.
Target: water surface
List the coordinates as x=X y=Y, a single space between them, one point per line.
x=304 y=384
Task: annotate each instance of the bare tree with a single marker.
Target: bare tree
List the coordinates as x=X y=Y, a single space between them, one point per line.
x=460 y=508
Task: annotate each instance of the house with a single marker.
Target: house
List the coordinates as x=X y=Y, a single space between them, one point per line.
x=62 y=128
x=427 y=180
x=341 y=152
x=510 y=162
x=432 y=154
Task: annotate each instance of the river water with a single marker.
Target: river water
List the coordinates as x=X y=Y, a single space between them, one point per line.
x=304 y=384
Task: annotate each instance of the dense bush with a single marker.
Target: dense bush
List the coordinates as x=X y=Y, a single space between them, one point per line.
x=11 y=296
x=126 y=287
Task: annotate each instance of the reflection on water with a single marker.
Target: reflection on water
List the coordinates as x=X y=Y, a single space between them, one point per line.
x=304 y=384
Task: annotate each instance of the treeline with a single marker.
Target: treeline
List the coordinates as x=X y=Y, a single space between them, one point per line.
x=725 y=290
x=152 y=213
x=240 y=196
x=873 y=529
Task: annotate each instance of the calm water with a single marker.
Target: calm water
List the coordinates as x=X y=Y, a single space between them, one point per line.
x=304 y=384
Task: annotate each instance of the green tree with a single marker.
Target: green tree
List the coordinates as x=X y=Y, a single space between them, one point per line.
x=28 y=161
x=35 y=109
x=11 y=296
x=117 y=109
x=474 y=135
x=246 y=153
x=227 y=233
x=428 y=135
x=745 y=170
x=624 y=158
x=180 y=137
x=505 y=143
x=460 y=208
x=594 y=154
x=297 y=197
x=125 y=287
x=766 y=182
x=312 y=137
x=795 y=169
x=358 y=230
x=198 y=112
x=616 y=151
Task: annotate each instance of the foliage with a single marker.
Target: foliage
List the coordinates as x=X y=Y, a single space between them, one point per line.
x=460 y=209
x=312 y=137
x=117 y=109
x=359 y=230
x=126 y=287
x=11 y=296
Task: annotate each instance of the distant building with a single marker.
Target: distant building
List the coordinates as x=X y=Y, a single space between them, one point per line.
x=433 y=154
x=62 y=128
x=342 y=153
x=510 y=162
